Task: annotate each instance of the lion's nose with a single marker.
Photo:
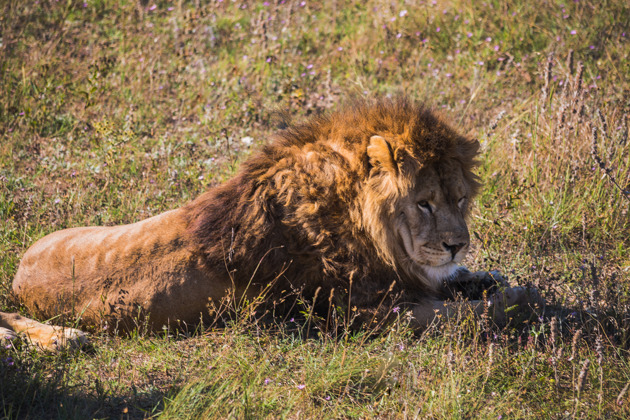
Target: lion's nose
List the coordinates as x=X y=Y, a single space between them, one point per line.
x=454 y=249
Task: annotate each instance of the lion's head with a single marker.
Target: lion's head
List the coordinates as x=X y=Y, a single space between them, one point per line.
x=418 y=192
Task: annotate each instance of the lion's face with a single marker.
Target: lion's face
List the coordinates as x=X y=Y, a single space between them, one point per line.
x=430 y=222
x=424 y=210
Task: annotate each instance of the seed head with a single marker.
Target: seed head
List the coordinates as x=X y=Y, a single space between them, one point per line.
x=583 y=376
x=574 y=343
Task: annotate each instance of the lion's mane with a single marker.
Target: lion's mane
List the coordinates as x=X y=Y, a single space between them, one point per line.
x=310 y=211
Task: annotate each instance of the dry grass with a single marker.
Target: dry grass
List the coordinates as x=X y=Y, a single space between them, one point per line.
x=114 y=110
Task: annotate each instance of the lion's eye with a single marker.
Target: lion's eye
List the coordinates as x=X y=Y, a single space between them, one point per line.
x=461 y=202
x=424 y=205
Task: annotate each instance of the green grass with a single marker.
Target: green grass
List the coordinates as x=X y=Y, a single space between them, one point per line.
x=113 y=112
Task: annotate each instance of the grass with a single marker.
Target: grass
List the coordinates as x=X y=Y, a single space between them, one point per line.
x=111 y=111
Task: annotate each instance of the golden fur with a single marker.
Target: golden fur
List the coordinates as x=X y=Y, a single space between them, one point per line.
x=367 y=205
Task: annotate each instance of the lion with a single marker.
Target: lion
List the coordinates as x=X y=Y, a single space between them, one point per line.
x=366 y=206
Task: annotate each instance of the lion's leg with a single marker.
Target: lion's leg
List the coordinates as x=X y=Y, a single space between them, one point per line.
x=46 y=337
x=501 y=306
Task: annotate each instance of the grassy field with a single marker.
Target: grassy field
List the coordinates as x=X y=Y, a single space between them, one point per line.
x=115 y=110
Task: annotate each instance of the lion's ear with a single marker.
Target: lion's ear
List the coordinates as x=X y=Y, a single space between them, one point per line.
x=381 y=154
x=467 y=150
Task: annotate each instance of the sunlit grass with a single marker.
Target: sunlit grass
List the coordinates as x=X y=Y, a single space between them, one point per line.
x=112 y=111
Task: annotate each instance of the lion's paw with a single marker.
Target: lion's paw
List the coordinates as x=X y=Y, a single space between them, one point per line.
x=495 y=276
x=524 y=297
x=473 y=286
x=515 y=302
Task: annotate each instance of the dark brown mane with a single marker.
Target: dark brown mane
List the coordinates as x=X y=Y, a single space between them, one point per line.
x=293 y=209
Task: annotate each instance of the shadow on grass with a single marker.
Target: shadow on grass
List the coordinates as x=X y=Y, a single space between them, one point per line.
x=33 y=392
x=615 y=325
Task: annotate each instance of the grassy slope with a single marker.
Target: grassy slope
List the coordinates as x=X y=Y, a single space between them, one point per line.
x=116 y=110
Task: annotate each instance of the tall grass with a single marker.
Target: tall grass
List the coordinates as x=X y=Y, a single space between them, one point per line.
x=114 y=110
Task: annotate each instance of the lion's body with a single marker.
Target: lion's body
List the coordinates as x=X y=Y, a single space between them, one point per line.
x=367 y=204
x=106 y=273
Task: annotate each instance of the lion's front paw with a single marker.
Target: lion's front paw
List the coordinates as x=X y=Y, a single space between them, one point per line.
x=473 y=286
x=515 y=302
x=496 y=277
x=492 y=280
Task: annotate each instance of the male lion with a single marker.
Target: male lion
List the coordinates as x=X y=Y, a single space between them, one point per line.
x=366 y=205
